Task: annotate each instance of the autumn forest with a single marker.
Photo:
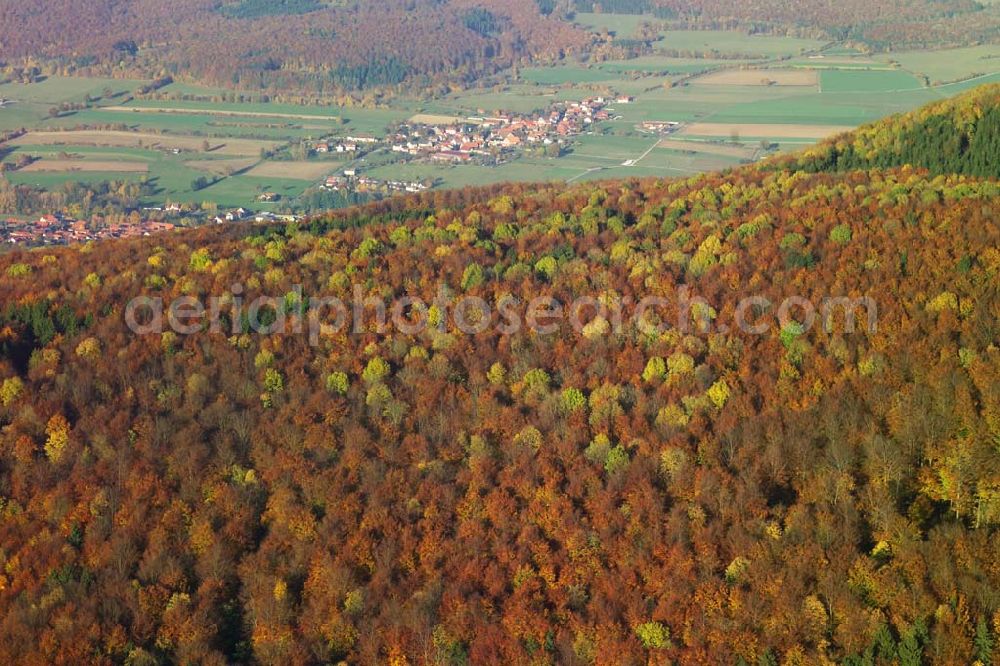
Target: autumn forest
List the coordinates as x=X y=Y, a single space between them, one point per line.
x=692 y=493
x=328 y=48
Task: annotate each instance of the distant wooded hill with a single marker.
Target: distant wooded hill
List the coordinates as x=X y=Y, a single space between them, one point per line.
x=295 y=43
x=326 y=47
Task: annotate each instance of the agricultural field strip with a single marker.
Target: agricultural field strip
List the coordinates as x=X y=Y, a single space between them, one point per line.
x=707 y=147
x=759 y=77
x=59 y=165
x=217 y=112
x=609 y=158
x=85 y=152
x=308 y=171
x=764 y=130
x=222 y=167
x=632 y=166
x=124 y=139
x=967 y=81
x=436 y=119
x=842 y=64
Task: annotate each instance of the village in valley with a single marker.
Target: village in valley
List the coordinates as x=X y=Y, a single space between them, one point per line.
x=485 y=140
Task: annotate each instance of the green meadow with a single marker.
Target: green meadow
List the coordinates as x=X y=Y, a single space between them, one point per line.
x=558 y=76
x=664 y=65
x=869 y=82
x=59 y=89
x=621 y=25
x=736 y=43
x=951 y=65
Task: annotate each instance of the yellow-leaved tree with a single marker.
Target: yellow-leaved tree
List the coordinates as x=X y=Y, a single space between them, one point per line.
x=57 y=430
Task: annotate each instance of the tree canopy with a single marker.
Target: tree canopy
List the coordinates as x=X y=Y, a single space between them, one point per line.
x=700 y=493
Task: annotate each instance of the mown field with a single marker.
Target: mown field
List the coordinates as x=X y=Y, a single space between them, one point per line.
x=871 y=82
x=950 y=65
x=734 y=91
x=622 y=25
x=736 y=43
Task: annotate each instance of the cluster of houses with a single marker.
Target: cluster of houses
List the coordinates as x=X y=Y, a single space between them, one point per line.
x=659 y=126
x=352 y=182
x=235 y=215
x=348 y=146
x=462 y=141
x=245 y=215
x=57 y=229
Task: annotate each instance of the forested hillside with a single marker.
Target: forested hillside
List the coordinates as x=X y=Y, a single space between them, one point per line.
x=347 y=45
x=617 y=495
x=316 y=46
x=958 y=135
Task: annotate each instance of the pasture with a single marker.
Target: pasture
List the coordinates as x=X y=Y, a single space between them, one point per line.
x=436 y=119
x=658 y=64
x=518 y=98
x=870 y=82
x=820 y=108
x=620 y=25
x=218 y=112
x=59 y=89
x=122 y=139
x=826 y=61
x=966 y=84
x=566 y=74
x=952 y=65
x=735 y=43
x=365 y=120
x=207 y=125
x=57 y=179
x=244 y=190
x=75 y=165
x=222 y=167
x=764 y=131
x=736 y=151
x=307 y=170
x=760 y=77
